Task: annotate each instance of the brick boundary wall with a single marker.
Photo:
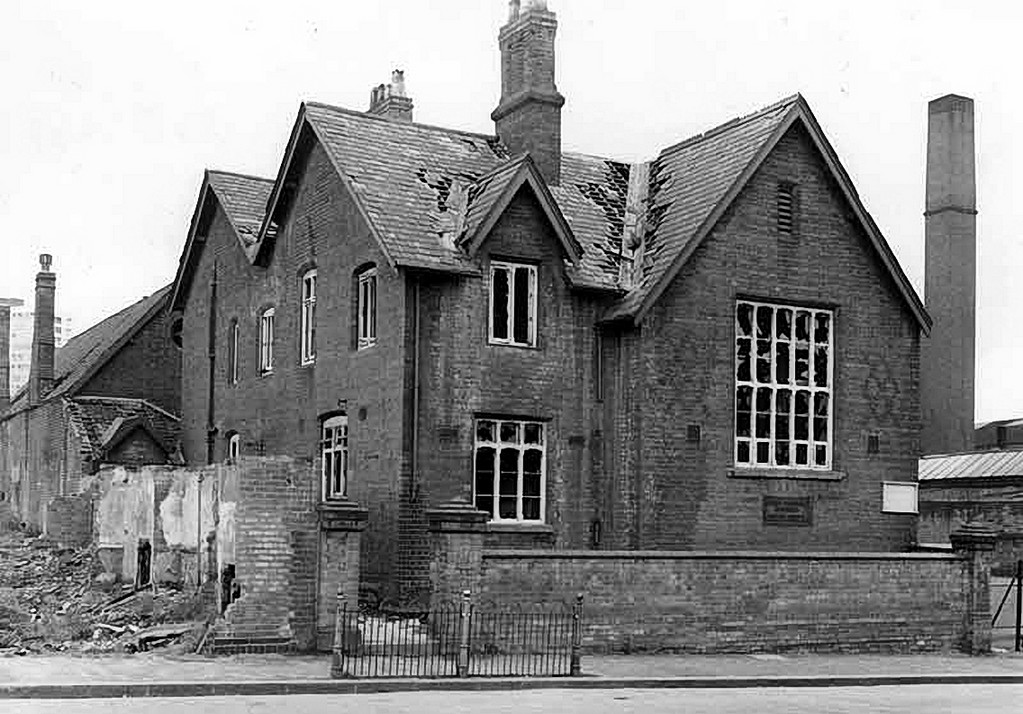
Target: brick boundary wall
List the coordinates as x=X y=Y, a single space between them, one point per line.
x=720 y=602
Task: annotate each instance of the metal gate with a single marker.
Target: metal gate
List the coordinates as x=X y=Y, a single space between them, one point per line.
x=1009 y=619
x=459 y=640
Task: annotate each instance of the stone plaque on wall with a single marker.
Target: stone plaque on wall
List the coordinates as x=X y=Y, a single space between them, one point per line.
x=788 y=511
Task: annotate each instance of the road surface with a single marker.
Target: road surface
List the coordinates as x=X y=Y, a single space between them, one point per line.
x=929 y=699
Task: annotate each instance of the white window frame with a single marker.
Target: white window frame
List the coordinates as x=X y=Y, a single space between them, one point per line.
x=232 y=376
x=752 y=381
x=499 y=444
x=366 y=308
x=234 y=448
x=266 y=341
x=531 y=300
x=308 y=318
x=894 y=495
x=333 y=451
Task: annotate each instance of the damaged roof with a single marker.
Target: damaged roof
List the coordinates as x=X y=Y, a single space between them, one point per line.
x=93 y=417
x=244 y=200
x=972 y=465
x=423 y=189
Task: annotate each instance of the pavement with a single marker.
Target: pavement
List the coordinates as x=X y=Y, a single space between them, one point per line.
x=154 y=675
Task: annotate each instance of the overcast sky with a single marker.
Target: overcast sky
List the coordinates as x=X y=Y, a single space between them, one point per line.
x=110 y=111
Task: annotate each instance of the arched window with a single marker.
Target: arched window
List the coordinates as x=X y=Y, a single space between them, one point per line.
x=266 y=341
x=308 y=317
x=334 y=448
x=234 y=447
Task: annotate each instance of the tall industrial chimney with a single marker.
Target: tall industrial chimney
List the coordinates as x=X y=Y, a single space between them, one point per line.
x=5 y=351
x=40 y=378
x=950 y=287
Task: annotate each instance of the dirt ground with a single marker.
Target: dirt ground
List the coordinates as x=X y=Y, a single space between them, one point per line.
x=52 y=600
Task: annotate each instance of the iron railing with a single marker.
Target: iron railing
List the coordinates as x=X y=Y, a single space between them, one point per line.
x=459 y=640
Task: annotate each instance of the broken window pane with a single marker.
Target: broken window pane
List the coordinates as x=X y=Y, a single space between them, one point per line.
x=763 y=412
x=742 y=370
x=823 y=327
x=764 y=315
x=534 y=434
x=485 y=430
x=500 y=301
x=802 y=366
x=820 y=366
x=763 y=452
x=763 y=360
x=509 y=432
x=745 y=319
x=803 y=326
x=781 y=372
x=531 y=465
x=821 y=455
x=522 y=307
x=820 y=417
x=784 y=323
x=802 y=421
x=743 y=409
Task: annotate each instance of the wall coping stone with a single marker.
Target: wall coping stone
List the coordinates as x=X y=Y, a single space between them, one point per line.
x=514 y=554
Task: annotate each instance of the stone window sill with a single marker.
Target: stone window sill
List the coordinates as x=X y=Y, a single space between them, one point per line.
x=792 y=474
x=506 y=527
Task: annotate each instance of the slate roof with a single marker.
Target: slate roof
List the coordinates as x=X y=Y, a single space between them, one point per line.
x=687 y=181
x=84 y=353
x=972 y=465
x=92 y=417
x=244 y=200
x=423 y=188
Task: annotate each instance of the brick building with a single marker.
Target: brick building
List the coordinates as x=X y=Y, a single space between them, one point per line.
x=109 y=395
x=715 y=348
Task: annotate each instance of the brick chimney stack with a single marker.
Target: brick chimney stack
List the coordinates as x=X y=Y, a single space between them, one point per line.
x=950 y=228
x=390 y=100
x=40 y=379
x=5 y=351
x=528 y=118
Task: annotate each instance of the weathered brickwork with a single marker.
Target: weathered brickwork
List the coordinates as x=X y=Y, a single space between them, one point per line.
x=682 y=373
x=275 y=553
x=745 y=602
x=147 y=367
x=69 y=520
x=280 y=413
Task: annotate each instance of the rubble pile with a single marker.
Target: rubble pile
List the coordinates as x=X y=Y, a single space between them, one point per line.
x=58 y=599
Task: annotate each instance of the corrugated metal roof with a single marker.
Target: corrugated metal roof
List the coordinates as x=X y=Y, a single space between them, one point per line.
x=975 y=465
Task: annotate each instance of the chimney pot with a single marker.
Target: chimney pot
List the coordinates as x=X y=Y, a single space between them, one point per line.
x=390 y=100
x=45 y=261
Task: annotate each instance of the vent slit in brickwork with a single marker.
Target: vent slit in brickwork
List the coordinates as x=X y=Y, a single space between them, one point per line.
x=786 y=207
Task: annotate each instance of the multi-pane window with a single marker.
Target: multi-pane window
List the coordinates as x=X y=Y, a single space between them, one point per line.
x=367 y=308
x=508 y=479
x=334 y=449
x=308 y=326
x=232 y=353
x=513 y=304
x=266 y=341
x=784 y=366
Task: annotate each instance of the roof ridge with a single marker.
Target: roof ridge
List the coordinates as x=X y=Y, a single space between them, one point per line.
x=379 y=117
x=731 y=124
x=503 y=166
x=240 y=175
x=161 y=410
x=123 y=310
x=587 y=155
